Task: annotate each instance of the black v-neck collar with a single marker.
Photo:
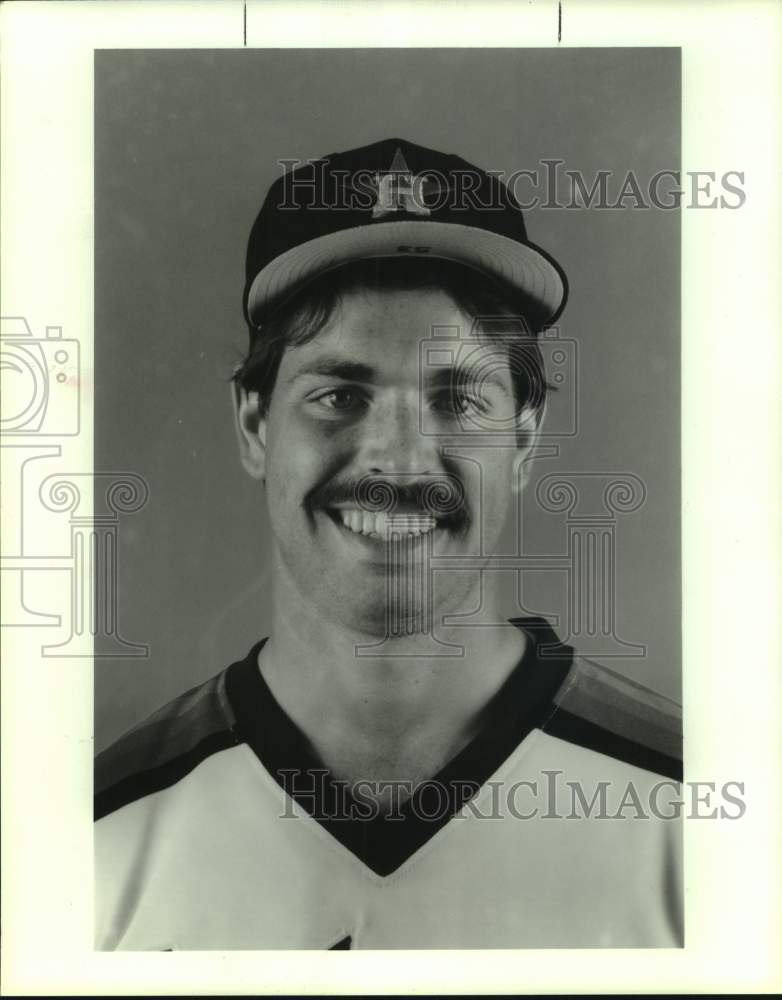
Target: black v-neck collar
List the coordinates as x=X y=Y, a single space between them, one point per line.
x=381 y=842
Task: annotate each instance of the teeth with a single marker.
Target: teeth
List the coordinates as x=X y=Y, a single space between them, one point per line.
x=352 y=519
x=364 y=522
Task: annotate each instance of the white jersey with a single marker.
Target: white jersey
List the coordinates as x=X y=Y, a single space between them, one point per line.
x=216 y=828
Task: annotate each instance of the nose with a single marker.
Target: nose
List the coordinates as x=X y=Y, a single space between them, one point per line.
x=394 y=442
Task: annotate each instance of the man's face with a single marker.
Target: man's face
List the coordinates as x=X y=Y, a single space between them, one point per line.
x=356 y=418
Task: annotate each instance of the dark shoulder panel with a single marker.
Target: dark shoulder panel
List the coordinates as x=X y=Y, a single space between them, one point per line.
x=164 y=747
x=603 y=711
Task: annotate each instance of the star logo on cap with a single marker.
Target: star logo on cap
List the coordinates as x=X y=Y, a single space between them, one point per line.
x=398 y=190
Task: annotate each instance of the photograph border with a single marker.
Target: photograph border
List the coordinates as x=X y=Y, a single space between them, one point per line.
x=731 y=686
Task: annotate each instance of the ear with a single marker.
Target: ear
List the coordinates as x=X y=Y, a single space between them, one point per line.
x=528 y=424
x=250 y=431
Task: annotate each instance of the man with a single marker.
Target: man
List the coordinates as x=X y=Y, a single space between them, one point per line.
x=373 y=774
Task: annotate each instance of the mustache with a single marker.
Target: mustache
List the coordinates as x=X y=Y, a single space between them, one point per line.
x=441 y=496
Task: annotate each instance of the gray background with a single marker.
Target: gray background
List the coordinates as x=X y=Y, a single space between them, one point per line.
x=186 y=144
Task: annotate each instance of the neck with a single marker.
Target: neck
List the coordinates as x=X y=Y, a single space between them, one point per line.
x=404 y=713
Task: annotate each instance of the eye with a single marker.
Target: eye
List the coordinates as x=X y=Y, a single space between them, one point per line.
x=341 y=400
x=459 y=401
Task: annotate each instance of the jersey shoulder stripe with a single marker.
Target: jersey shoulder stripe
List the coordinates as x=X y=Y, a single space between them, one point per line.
x=599 y=709
x=165 y=747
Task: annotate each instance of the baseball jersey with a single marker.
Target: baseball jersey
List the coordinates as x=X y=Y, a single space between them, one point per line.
x=556 y=826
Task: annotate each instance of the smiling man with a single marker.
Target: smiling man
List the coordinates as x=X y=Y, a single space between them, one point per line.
x=374 y=774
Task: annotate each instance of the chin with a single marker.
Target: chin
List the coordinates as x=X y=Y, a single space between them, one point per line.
x=380 y=621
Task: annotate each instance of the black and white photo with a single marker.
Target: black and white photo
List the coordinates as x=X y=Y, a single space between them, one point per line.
x=389 y=574
x=414 y=750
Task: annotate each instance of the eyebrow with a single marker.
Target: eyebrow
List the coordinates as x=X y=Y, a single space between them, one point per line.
x=353 y=371
x=350 y=371
x=447 y=377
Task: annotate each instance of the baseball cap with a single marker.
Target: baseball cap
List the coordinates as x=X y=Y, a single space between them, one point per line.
x=392 y=198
